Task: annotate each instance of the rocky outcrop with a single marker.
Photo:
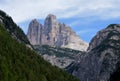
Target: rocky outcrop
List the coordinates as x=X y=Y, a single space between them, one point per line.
x=101 y=35
x=61 y=57
x=51 y=31
x=54 y=33
x=103 y=57
x=35 y=32
x=1 y=19
x=60 y=62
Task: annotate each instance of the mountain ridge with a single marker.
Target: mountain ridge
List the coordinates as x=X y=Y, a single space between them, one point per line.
x=103 y=57
x=15 y=31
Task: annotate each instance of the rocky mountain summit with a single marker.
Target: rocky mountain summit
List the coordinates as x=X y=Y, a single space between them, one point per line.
x=54 y=33
x=102 y=62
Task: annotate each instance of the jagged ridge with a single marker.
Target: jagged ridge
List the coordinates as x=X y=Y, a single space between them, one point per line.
x=54 y=33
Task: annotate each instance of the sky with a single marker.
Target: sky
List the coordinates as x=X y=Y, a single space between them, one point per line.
x=85 y=17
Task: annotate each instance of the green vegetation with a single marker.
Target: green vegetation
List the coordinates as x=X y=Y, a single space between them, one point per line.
x=72 y=67
x=13 y=29
x=109 y=42
x=19 y=63
x=57 y=51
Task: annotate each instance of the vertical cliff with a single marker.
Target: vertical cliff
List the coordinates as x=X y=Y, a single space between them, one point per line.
x=54 y=33
x=35 y=32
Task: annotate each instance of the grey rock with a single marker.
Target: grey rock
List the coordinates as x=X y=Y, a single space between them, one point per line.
x=1 y=19
x=103 y=57
x=54 y=33
x=101 y=35
x=61 y=57
x=60 y=62
x=35 y=32
x=51 y=30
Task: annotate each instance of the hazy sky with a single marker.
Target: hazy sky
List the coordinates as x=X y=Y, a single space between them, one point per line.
x=86 y=17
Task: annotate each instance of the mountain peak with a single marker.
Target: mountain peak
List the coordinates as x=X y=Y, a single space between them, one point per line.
x=51 y=16
x=102 y=35
x=34 y=20
x=114 y=27
x=55 y=34
x=50 y=19
x=35 y=29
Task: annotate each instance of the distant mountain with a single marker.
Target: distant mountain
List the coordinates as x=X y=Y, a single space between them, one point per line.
x=102 y=62
x=54 y=33
x=20 y=63
x=53 y=40
x=58 y=56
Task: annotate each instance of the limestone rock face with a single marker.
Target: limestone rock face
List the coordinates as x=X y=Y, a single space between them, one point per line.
x=51 y=30
x=57 y=56
x=101 y=35
x=103 y=57
x=35 y=32
x=54 y=33
x=57 y=61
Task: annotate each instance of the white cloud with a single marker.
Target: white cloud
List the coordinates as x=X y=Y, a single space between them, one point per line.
x=29 y=9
